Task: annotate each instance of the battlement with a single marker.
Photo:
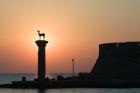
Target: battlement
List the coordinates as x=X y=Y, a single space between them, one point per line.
x=120 y=44
x=123 y=49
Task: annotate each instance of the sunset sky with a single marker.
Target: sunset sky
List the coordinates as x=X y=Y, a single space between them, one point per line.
x=74 y=29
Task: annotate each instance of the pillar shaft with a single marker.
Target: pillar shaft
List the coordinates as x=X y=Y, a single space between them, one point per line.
x=41 y=58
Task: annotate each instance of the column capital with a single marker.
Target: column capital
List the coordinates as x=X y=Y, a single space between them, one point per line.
x=41 y=43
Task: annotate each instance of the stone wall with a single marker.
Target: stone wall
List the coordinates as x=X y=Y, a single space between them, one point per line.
x=118 y=61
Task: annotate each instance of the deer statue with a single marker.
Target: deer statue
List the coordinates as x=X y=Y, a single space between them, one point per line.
x=41 y=34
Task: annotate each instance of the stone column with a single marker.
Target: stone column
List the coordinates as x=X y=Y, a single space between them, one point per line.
x=41 y=58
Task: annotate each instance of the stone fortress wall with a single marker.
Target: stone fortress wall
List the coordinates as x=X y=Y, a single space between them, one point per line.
x=118 y=61
x=127 y=49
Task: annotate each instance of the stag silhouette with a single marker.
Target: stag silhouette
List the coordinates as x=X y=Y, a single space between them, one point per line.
x=41 y=35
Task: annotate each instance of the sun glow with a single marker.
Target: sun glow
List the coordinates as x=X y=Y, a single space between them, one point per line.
x=73 y=29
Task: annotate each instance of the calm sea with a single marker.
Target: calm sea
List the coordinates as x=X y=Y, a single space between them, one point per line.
x=7 y=78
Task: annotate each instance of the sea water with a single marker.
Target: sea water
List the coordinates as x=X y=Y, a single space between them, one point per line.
x=72 y=90
x=7 y=78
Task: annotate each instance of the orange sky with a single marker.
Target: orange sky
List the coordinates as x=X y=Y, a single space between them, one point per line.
x=74 y=28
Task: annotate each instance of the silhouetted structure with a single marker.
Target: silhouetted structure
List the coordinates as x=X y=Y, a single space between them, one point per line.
x=118 y=61
x=41 y=34
x=118 y=66
x=41 y=58
x=73 y=66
